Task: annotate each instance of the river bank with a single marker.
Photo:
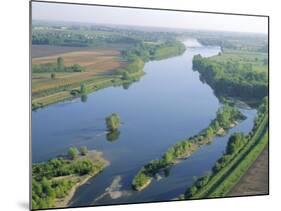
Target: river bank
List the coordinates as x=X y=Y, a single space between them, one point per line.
x=59 y=185
x=66 y=86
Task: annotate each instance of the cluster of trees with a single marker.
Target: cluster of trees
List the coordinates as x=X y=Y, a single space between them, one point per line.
x=237 y=142
x=226 y=116
x=232 y=79
x=46 y=191
x=140 y=180
x=56 y=67
x=73 y=152
x=112 y=122
x=45 y=188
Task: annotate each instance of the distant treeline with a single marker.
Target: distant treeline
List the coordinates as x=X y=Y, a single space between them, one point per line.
x=238 y=42
x=232 y=79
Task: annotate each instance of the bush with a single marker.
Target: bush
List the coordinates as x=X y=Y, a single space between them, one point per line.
x=73 y=153
x=84 y=150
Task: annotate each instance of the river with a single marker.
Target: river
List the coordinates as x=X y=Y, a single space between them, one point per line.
x=169 y=103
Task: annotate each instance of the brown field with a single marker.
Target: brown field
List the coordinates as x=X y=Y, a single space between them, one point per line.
x=98 y=60
x=95 y=61
x=255 y=180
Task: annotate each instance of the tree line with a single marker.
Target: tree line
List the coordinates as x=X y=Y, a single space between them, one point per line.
x=57 y=66
x=232 y=79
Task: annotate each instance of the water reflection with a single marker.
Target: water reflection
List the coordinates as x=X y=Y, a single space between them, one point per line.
x=113 y=136
x=84 y=98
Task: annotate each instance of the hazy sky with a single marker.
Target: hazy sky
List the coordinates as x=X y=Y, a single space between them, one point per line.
x=141 y=17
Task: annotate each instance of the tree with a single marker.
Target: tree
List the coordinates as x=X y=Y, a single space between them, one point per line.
x=191 y=191
x=83 y=89
x=60 y=64
x=112 y=122
x=126 y=75
x=73 y=152
x=236 y=141
x=53 y=75
x=84 y=150
x=209 y=133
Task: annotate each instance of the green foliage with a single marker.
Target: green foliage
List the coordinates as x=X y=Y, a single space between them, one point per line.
x=140 y=180
x=236 y=141
x=83 y=150
x=112 y=122
x=231 y=76
x=83 y=89
x=168 y=49
x=47 y=184
x=227 y=115
x=73 y=153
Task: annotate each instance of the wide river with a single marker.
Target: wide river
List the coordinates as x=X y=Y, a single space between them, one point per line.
x=169 y=103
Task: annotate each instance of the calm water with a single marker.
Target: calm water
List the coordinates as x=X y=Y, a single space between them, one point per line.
x=168 y=104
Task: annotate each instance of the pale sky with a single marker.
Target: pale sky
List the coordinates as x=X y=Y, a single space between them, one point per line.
x=150 y=18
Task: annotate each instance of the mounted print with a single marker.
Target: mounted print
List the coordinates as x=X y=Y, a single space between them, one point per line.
x=134 y=105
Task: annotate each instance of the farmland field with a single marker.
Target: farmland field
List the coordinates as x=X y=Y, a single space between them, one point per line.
x=98 y=63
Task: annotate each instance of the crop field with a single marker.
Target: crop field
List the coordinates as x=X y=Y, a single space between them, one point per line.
x=96 y=62
x=99 y=63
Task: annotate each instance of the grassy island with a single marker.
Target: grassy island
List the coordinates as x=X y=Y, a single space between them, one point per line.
x=54 y=182
x=226 y=118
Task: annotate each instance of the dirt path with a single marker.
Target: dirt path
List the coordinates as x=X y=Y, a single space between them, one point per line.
x=255 y=180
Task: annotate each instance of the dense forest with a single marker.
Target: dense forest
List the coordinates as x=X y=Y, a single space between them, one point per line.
x=232 y=78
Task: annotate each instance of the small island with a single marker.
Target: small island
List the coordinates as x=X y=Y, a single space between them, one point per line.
x=54 y=182
x=112 y=122
x=226 y=118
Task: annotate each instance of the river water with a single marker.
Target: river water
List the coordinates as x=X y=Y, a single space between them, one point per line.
x=169 y=103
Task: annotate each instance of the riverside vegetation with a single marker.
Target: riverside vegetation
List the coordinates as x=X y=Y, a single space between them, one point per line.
x=55 y=181
x=226 y=118
x=241 y=151
x=240 y=72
